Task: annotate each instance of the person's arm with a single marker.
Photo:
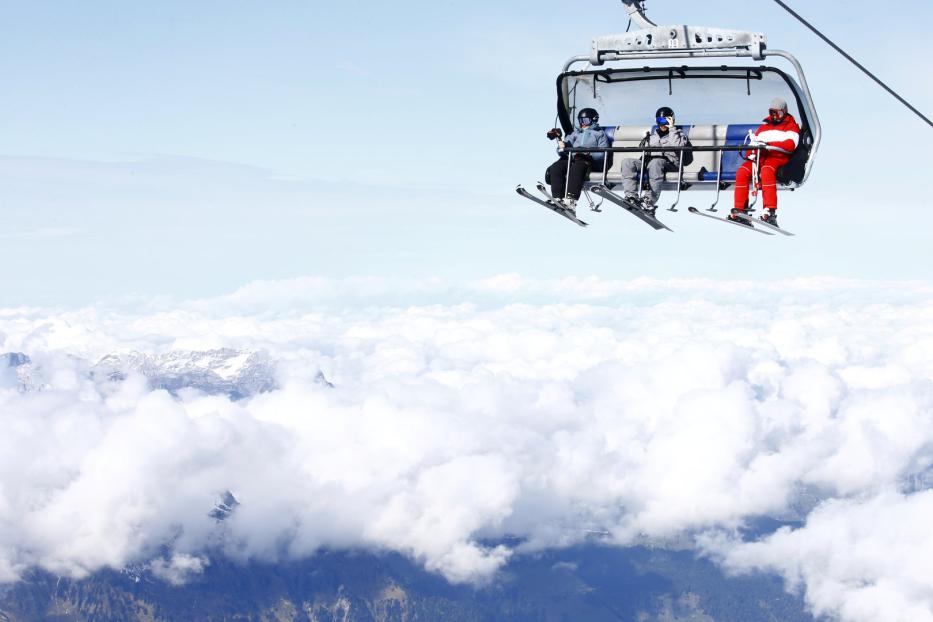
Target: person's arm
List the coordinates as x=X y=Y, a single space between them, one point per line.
x=754 y=141
x=782 y=139
x=602 y=141
x=790 y=142
x=566 y=143
x=680 y=139
x=676 y=139
x=786 y=139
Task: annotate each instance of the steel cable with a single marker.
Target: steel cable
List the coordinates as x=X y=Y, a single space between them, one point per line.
x=855 y=62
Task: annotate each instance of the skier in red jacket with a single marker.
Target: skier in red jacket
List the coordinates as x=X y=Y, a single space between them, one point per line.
x=779 y=130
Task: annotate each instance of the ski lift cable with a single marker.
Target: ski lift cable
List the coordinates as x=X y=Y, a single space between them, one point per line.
x=855 y=62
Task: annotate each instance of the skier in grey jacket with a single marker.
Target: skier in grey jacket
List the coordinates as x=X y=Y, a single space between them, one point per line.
x=666 y=134
x=589 y=135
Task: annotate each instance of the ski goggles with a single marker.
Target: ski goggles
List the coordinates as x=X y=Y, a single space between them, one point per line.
x=661 y=120
x=584 y=121
x=776 y=112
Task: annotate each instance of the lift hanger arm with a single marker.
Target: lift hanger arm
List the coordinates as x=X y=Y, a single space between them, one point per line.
x=636 y=13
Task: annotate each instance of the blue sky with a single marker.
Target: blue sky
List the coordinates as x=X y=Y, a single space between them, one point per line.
x=251 y=157
x=185 y=149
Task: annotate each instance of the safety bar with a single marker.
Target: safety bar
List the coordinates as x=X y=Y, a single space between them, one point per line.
x=680 y=169
x=672 y=148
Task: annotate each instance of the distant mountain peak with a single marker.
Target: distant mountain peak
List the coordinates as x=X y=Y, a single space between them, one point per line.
x=224 y=507
x=235 y=373
x=224 y=371
x=16 y=369
x=13 y=359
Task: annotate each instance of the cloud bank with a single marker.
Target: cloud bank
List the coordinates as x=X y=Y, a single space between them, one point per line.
x=505 y=417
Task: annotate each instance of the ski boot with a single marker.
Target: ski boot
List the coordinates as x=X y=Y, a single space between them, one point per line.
x=734 y=217
x=569 y=205
x=769 y=216
x=648 y=205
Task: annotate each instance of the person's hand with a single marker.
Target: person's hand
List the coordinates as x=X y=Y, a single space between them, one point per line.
x=561 y=144
x=670 y=122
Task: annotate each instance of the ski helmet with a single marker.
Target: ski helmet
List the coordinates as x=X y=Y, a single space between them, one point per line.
x=662 y=113
x=587 y=113
x=779 y=103
x=777 y=110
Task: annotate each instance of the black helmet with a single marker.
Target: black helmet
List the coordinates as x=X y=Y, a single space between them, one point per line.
x=664 y=111
x=588 y=113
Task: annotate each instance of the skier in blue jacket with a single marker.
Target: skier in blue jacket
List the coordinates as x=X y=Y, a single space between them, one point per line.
x=589 y=135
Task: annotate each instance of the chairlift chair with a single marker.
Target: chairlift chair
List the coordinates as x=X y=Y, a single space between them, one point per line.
x=718 y=104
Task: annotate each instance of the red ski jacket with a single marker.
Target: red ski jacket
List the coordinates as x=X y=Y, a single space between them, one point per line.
x=785 y=135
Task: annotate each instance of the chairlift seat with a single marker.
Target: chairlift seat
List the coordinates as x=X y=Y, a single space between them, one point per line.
x=702 y=172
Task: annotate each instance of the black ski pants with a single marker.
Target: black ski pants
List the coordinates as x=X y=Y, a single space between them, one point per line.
x=557 y=177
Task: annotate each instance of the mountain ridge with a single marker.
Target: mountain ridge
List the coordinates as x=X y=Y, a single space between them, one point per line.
x=592 y=583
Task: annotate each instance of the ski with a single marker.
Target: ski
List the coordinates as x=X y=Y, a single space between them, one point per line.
x=634 y=210
x=547 y=194
x=758 y=222
x=550 y=205
x=543 y=190
x=749 y=227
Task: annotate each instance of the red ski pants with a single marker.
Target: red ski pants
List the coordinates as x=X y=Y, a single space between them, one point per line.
x=768 y=173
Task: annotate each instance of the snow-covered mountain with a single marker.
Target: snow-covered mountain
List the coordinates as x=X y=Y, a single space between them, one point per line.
x=225 y=371
x=592 y=583
x=15 y=370
x=225 y=506
x=13 y=359
x=237 y=373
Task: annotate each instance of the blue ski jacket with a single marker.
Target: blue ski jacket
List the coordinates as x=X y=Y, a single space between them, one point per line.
x=588 y=138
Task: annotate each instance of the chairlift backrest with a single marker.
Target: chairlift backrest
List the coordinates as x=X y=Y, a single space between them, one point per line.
x=703 y=170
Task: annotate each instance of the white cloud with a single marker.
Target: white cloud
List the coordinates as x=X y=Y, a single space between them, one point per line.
x=651 y=411
x=179 y=569
x=861 y=559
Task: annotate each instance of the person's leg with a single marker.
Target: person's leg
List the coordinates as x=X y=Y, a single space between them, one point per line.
x=769 y=185
x=579 y=170
x=629 y=171
x=742 y=178
x=557 y=175
x=656 y=168
x=769 y=190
